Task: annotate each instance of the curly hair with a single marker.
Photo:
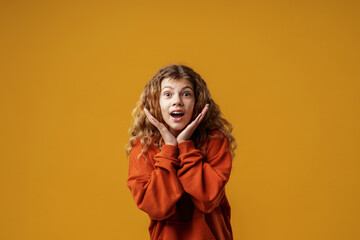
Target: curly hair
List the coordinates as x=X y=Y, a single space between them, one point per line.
x=143 y=130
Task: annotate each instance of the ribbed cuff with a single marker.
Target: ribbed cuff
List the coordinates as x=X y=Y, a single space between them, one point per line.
x=169 y=151
x=168 y=164
x=186 y=146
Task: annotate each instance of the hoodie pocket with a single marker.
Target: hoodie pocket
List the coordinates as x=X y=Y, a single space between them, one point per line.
x=197 y=229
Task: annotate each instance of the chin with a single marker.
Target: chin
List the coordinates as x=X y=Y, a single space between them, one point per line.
x=178 y=128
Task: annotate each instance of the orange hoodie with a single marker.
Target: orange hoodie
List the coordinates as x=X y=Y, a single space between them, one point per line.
x=182 y=189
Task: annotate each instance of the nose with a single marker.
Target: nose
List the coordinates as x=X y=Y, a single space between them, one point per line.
x=177 y=101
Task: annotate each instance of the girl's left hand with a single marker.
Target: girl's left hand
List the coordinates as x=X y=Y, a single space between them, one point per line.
x=189 y=130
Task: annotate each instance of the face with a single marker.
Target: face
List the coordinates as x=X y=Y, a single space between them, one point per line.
x=177 y=100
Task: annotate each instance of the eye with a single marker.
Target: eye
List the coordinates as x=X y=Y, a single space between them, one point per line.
x=187 y=94
x=167 y=94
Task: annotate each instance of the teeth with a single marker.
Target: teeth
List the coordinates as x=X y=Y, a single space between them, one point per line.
x=177 y=114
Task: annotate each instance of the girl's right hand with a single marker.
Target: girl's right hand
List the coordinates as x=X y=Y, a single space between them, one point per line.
x=169 y=139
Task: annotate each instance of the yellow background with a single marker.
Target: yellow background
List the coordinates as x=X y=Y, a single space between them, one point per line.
x=285 y=74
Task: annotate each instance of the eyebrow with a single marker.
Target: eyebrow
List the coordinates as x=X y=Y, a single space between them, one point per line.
x=173 y=88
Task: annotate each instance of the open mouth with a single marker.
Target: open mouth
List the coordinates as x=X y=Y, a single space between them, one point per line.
x=177 y=114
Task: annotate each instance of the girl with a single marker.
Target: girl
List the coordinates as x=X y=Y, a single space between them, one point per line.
x=181 y=152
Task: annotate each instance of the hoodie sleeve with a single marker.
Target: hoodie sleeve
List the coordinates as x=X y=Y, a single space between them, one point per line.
x=204 y=178
x=153 y=182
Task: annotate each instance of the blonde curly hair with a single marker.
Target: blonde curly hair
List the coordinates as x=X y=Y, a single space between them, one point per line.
x=144 y=131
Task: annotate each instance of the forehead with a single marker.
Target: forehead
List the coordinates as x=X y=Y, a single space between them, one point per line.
x=176 y=83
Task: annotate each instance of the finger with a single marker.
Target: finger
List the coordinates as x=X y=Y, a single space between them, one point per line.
x=201 y=116
x=161 y=127
x=203 y=112
x=205 y=109
x=148 y=115
x=165 y=133
x=151 y=118
x=195 y=122
x=198 y=118
x=190 y=128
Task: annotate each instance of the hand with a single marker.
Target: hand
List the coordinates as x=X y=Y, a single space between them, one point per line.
x=169 y=139
x=189 y=130
x=184 y=135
